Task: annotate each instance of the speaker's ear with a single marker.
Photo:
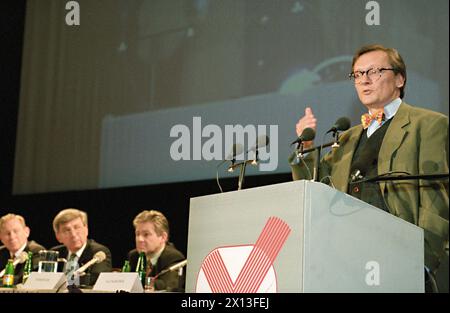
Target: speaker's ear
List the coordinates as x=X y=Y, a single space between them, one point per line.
x=400 y=81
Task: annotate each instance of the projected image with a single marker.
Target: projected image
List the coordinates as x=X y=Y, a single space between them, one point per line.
x=99 y=100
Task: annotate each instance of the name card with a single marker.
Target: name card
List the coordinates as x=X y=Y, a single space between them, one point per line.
x=52 y=282
x=116 y=281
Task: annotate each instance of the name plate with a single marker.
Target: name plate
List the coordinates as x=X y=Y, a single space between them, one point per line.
x=116 y=281
x=52 y=282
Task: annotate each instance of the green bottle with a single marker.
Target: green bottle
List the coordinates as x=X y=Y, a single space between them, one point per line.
x=8 y=278
x=28 y=267
x=126 y=267
x=140 y=267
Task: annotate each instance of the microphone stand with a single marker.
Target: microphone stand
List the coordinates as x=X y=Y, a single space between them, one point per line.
x=318 y=151
x=300 y=149
x=241 y=174
x=403 y=177
x=242 y=165
x=329 y=144
x=316 y=174
x=336 y=140
x=180 y=279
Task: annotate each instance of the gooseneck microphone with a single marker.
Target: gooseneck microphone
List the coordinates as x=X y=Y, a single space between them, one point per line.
x=261 y=142
x=161 y=284
x=20 y=259
x=343 y=123
x=172 y=268
x=236 y=150
x=100 y=256
x=308 y=134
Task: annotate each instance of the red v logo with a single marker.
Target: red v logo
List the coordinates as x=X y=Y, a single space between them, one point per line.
x=258 y=263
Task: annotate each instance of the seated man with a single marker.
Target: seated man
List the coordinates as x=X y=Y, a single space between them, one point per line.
x=152 y=235
x=71 y=229
x=14 y=235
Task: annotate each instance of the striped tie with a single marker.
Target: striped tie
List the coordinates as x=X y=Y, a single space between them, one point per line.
x=149 y=268
x=71 y=267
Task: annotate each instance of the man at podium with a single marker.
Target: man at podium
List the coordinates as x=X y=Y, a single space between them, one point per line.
x=393 y=137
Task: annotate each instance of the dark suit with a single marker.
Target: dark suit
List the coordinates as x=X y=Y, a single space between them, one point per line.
x=18 y=273
x=415 y=142
x=92 y=272
x=168 y=257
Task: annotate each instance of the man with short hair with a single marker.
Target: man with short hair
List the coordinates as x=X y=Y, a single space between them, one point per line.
x=152 y=238
x=14 y=235
x=392 y=137
x=71 y=229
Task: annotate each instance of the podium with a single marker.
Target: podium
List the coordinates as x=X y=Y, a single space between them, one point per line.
x=299 y=236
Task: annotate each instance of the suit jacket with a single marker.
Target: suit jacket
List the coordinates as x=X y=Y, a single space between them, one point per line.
x=415 y=142
x=18 y=272
x=92 y=272
x=168 y=257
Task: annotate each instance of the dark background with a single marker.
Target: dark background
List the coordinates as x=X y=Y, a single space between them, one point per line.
x=110 y=211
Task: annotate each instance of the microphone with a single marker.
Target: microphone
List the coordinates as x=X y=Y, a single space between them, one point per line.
x=236 y=150
x=20 y=259
x=160 y=284
x=307 y=135
x=343 y=123
x=100 y=256
x=261 y=142
x=177 y=266
x=172 y=268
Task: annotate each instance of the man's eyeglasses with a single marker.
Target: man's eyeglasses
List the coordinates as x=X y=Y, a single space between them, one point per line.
x=373 y=74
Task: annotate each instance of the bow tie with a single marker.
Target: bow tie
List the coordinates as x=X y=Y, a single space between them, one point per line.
x=367 y=118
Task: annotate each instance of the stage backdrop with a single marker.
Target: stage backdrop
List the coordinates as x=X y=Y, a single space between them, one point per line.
x=98 y=100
